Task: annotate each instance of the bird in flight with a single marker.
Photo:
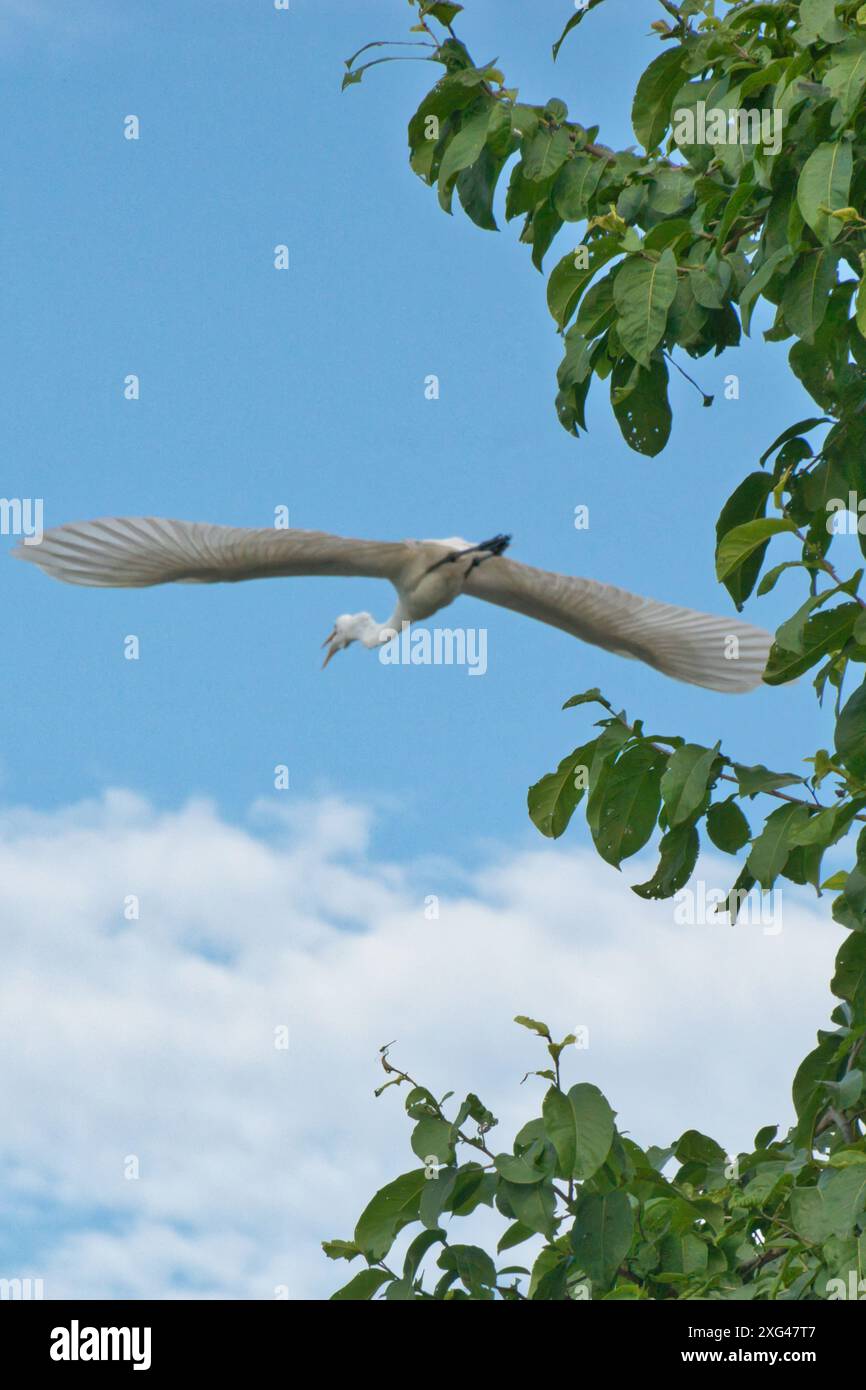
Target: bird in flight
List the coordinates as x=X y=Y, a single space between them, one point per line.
x=135 y=552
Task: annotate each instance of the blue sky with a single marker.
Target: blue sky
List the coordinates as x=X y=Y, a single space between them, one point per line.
x=306 y=389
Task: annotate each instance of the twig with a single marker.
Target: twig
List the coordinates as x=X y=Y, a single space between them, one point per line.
x=708 y=400
x=765 y=1258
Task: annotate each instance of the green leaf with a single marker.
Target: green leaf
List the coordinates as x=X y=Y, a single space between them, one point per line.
x=672 y=191
x=443 y=10
x=666 y=233
x=860 y=313
x=695 y=1147
x=340 y=1249
x=418 y=1249
x=391 y=1208
x=738 y=894
x=752 y=780
x=572 y=24
x=707 y=289
x=779 y=261
x=580 y=1125
x=818 y=21
x=533 y=1025
x=771 y=848
x=743 y=540
x=544 y=225
x=651 y=111
x=769 y=580
x=523 y=197
x=847 y=1158
x=736 y=207
x=801 y=427
x=808 y=1216
x=476 y=187
x=823 y=186
x=588 y=697
x=473 y=1265
x=845 y=1200
x=644 y=291
x=362 y=1288
x=575 y=186
x=602 y=1234
x=684 y=786
x=525 y=1170
x=568 y=279
x=823 y=633
x=847 y=1092
x=850 y=907
x=641 y=406
x=576 y=366
x=552 y=800
x=823 y=367
x=515 y=1235
x=679 y=854
x=683 y=1254
x=451 y=94
x=851 y=733
x=849 y=980
x=597 y=311
x=727 y=827
x=463 y=149
x=400 y=1291
x=846 y=78
x=827 y=827
x=545 y=154
x=804 y=302
x=533 y=1206
x=747 y=502
x=626 y=803
x=431 y=1138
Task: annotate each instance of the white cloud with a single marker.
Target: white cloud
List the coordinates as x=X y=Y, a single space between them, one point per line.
x=155 y=1038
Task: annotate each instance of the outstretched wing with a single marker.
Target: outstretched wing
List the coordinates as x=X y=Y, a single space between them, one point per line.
x=690 y=646
x=134 y=552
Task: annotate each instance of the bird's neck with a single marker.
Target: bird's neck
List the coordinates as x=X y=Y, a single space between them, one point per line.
x=372 y=633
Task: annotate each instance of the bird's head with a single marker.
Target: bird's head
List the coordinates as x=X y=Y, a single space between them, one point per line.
x=347 y=628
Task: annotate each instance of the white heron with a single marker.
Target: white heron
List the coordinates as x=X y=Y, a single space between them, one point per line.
x=134 y=552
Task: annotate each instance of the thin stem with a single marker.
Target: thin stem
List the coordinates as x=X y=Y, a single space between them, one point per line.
x=708 y=400
x=764 y=1259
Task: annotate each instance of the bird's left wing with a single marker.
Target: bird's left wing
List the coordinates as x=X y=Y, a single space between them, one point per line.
x=717 y=653
x=134 y=552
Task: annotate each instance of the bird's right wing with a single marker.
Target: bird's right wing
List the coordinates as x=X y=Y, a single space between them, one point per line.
x=134 y=552
x=717 y=653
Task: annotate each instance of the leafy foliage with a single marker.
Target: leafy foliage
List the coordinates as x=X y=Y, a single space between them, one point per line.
x=598 y=1217
x=749 y=187
x=690 y=233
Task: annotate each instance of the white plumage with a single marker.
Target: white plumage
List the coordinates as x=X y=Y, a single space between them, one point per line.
x=134 y=552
